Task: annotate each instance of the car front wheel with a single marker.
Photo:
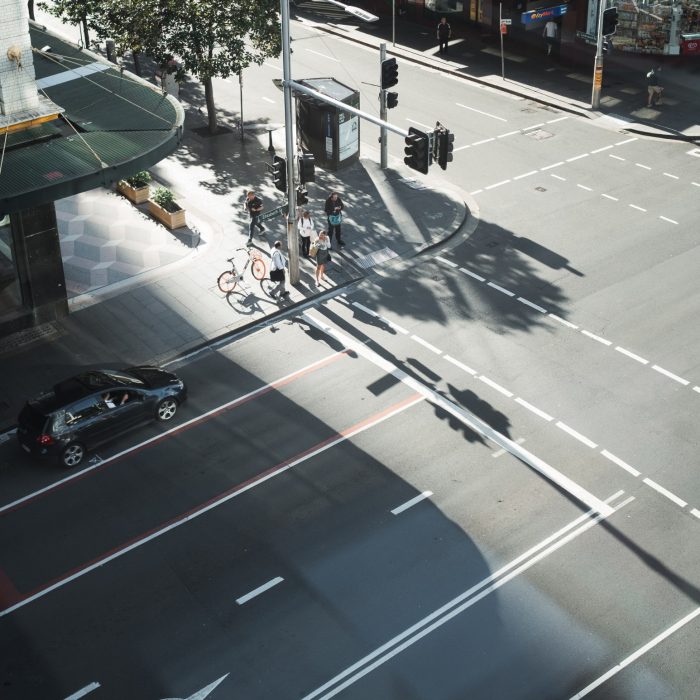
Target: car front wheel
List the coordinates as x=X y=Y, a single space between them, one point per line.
x=167 y=408
x=73 y=455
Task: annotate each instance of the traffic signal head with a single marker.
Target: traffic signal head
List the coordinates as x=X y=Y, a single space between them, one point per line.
x=279 y=173
x=302 y=197
x=417 y=150
x=392 y=100
x=390 y=73
x=445 y=145
x=610 y=21
x=307 y=169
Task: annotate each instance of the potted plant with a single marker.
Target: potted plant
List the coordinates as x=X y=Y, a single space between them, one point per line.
x=162 y=206
x=136 y=188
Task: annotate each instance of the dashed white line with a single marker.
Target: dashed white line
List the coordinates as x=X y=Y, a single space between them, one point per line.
x=500 y=289
x=478 y=143
x=520 y=177
x=597 y=338
x=583 y=187
x=534 y=409
x=426 y=344
x=498 y=184
x=486 y=114
x=461 y=148
x=674 y=177
x=446 y=261
x=495 y=386
x=576 y=434
x=534 y=306
x=566 y=323
x=267 y=99
x=259 y=590
x=697 y=184
x=619 y=462
x=622 y=143
x=604 y=148
x=424 y=126
x=391 y=324
x=509 y=133
x=501 y=452
x=670 y=221
x=553 y=165
x=616 y=157
x=534 y=126
x=696 y=388
x=671 y=375
x=632 y=355
x=83 y=691
x=475 y=192
x=323 y=55
x=583 y=155
x=558 y=119
x=609 y=196
x=665 y=492
x=417 y=499
x=696 y=513
x=461 y=365
x=641 y=165
x=472 y=274
x=558 y=177
x=634 y=206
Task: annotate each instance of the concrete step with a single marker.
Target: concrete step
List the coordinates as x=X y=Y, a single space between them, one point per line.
x=97 y=249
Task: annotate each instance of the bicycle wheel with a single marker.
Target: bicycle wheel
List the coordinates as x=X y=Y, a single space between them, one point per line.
x=227 y=281
x=258 y=268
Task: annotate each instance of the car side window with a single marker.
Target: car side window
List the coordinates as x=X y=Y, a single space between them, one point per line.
x=82 y=411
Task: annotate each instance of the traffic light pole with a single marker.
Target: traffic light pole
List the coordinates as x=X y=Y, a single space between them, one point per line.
x=598 y=64
x=383 y=142
x=292 y=243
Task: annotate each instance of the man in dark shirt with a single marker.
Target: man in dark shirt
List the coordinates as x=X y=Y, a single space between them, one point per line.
x=444 y=32
x=254 y=206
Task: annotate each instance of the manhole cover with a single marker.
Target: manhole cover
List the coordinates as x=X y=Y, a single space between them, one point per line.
x=541 y=189
x=539 y=134
x=17 y=340
x=379 y=256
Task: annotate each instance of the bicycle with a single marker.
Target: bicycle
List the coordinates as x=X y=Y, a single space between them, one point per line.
x=228 y=279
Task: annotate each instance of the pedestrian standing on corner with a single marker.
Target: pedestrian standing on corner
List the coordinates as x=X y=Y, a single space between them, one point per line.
x=654 y=88
x=444 y=33
x=254 y=206
x=305 y=226
x=550 y=32
x=278 y=264
x=334 y=211
x=322 y=256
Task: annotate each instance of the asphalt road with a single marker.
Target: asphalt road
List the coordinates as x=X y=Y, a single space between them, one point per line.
x=470 y=476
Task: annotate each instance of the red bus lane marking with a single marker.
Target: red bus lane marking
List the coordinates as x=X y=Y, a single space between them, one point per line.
x=193 y=422
x=212 y=503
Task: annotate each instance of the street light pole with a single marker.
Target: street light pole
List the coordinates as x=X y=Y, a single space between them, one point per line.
x=292 y=244
x=598 y=65
x=383 y=142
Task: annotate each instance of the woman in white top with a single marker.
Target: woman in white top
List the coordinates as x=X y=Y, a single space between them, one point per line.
x=305 y=226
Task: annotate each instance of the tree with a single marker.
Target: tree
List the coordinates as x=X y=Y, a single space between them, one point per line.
x=80 y=12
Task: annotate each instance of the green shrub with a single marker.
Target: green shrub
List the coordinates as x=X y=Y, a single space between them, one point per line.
x=140 y=179
x=164 y=198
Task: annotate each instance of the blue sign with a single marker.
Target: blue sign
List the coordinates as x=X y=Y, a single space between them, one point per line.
x=543 y=14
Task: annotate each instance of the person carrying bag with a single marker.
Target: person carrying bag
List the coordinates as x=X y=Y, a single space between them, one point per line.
x=278 y=263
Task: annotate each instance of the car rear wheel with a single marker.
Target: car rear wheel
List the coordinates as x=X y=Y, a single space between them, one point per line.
x=166 y=410
x=73 y=455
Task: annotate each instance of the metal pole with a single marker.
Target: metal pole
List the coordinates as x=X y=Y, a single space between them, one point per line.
x=240 y=86
x=598 y=64
x=500 y=29
x=292 y=244
x=383 y=151
x=393 y=22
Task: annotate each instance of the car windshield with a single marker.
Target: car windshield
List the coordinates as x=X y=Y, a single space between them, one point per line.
x=120 y=378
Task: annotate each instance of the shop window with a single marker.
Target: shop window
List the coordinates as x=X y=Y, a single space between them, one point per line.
x=10 y=294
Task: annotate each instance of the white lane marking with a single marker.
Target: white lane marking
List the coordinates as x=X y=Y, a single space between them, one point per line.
x=495 y=386
x=553 y=165
x=323 y=55
x=696 y=513
x=558 y=177
x=534 y=409
x=520 y=177
x=583 y=155
x=697 y=184
x=391 y=324
x=674 y=177
x=272 y=65
x=446 y=261
x=641 y=165
x=696 y=388
x=604 y=148
x=576 y=434
x=475 y=192
x=472 y=274
x=522 y=300
x=534 y=126
x=619 y=462
x=461 y=148
x=461 y=365
x=466 y=417
x=501 y=452
x=478 y=143
x=260 y=589
x=416 y=499
x=500 y=289
x=609 y=196
x=463 y=601
x=634 y=206
x=640 y=652
x=267 y=99
x=595 y=337
x=622 y=143
x=413 y=121
x=583 y=187
x=616 y=157
x=670 y=221
x=426 y=344
x=671 y=375
x=665 y=492
x=204 y=692
x=508 y=133
x=486 y=114
x=83 y=691
x=558 y=119
x=498 y=184
x=563 y=321
x=632 y=355
x=156 y=438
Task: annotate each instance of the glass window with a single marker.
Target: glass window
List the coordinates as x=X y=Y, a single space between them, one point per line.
x=10 y=295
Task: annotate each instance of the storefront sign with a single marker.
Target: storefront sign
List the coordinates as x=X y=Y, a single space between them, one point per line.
x=544 y=14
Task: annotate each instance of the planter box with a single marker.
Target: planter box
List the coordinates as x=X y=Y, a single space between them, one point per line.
x=137 y=195
x=175 y=219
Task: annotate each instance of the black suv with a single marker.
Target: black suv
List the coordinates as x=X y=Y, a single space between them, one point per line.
x=91 y=408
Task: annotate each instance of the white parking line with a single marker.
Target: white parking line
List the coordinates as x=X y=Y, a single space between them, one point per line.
x=632 y=355
x=583 y=187
x=670 y=221
x=634 y=206
x=696 y=513
x=558 y=177
x=671 y=375
x=576 y=434
x=674 y=177
x=426 y=344
x=417 y=499
x=665 y=492
x=608 y=196
x=83 y=691
x=486 y=114
x=619 y=462
x=641 y=165
x=616 y=157
x=260 y=589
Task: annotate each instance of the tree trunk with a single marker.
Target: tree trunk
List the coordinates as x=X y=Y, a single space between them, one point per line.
x=211 y=109
x=136 y=55
x=30 y=7
x=86 y=34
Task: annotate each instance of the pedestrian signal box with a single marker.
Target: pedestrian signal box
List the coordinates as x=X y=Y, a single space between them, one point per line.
x=279 y=173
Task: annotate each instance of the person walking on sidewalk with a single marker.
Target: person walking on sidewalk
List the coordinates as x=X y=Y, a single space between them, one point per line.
x=322 y=256
x=278 y=263
x=334 y=211
x=654 y=88
x=254 y=206
x=305 y=225
x=550 y=32
x=444 y=33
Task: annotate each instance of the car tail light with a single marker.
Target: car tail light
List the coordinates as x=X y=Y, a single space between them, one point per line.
x=44 y=440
